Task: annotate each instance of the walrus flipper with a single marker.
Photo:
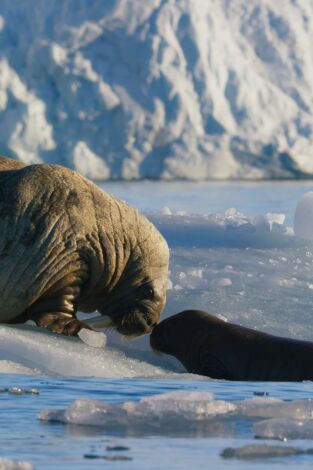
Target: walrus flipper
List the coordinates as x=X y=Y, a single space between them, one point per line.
x=59 y=323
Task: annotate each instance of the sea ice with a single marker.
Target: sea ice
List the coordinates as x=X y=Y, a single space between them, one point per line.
x=267 y=407
x=38 y=348
x=267 y=275
x=167 y=410
x=284 y=429
x=303 y=221
x=261 y=451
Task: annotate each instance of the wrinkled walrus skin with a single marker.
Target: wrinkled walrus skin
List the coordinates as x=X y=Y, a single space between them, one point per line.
x=206 y=345
x=65 y=246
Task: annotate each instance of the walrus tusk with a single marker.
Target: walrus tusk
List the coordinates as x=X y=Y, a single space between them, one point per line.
x=101 y=321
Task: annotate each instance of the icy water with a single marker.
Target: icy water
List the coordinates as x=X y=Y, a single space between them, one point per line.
x=239 y=265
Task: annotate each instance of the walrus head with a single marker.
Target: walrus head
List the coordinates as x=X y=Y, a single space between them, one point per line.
x=135 y=305
x=135 y=298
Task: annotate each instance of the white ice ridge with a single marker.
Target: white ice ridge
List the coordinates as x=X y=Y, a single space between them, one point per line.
x=174 y=409
x=164 y=89
x=232 y=228
x=30 y=349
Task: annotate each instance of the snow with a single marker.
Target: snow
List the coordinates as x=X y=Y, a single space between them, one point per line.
x=162 y=89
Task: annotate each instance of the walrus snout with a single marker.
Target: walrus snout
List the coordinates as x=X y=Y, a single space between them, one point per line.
x=137 y=323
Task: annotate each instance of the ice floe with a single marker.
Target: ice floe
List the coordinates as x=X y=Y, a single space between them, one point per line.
x=263 y=451
x=174 y=410
x=284 y=429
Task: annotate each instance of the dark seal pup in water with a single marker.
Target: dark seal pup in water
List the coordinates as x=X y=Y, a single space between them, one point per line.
x=65 y=245
x=206 y=345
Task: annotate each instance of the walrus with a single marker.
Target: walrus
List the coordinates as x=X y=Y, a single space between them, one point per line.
x=67 y=246
x=208 y=346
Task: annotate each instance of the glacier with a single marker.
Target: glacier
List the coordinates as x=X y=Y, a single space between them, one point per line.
x=162 y=89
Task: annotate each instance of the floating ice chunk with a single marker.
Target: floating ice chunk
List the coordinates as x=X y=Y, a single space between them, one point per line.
x=22 y=391
x=89 y=412
x=284 y=429
x=191 y=406
x=303 y=221
x=275 y=218
x=196 y=273
x=6 y=464
x=96 y=339
x=274 y=408
x=169 y=410
x=165 y=211
x=231 y=212
x=260 y=451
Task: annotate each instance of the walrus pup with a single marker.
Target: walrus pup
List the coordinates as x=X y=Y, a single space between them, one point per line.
x=65 y=245
x=206 y=345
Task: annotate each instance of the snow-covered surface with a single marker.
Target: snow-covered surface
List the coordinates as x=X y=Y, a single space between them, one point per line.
x=162 y=88
x=29 y=349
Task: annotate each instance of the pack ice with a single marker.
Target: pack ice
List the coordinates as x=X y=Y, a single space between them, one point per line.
x=162 y=89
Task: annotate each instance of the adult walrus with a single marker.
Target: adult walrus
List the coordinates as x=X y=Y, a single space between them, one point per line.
x=206 y=345
x=65 y=246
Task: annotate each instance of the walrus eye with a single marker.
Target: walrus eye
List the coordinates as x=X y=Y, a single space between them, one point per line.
x=148 y=292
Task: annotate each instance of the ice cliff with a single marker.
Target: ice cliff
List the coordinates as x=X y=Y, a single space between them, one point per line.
x=161 y=88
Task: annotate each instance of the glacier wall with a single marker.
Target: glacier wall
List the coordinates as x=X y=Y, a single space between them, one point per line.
x=126 y=89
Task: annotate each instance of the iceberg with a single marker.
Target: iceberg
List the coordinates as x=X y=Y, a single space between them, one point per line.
x=159 y=89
